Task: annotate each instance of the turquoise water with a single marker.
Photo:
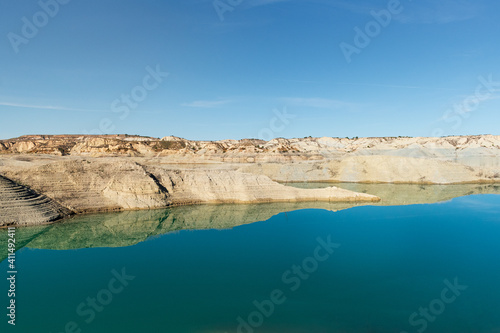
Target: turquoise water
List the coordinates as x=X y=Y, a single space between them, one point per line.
x=386 y=264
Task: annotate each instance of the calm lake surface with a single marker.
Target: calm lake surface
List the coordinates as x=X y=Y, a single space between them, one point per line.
x=426 y=267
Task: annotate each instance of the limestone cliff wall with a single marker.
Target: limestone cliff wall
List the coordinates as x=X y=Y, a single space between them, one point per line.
x=114 y=184
x=227 y=186
x=85 y=186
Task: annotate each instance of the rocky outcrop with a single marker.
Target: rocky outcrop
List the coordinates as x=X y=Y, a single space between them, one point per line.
x=20 y=205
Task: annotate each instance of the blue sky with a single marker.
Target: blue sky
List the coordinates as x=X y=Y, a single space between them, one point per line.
x=270 y=68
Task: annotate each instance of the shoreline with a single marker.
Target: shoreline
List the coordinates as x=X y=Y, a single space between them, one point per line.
x=55 y=176
x=468 y=189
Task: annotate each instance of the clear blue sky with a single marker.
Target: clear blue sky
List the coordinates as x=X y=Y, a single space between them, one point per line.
x=228 y=79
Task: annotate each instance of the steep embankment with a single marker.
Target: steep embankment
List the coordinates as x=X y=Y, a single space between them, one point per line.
x=84 y=186
x=96 y=185
x=20 y=205
x=227 y=186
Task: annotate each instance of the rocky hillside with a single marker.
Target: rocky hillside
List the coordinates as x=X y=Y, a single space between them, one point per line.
x=252 y=150
x=472 y=158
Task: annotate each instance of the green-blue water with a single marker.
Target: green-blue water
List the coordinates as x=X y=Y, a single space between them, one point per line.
x=389 y=262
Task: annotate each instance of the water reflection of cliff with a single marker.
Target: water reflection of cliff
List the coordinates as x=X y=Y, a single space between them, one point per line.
x=129 y=228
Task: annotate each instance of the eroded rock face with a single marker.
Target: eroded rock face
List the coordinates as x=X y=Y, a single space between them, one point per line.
x=94 y=186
